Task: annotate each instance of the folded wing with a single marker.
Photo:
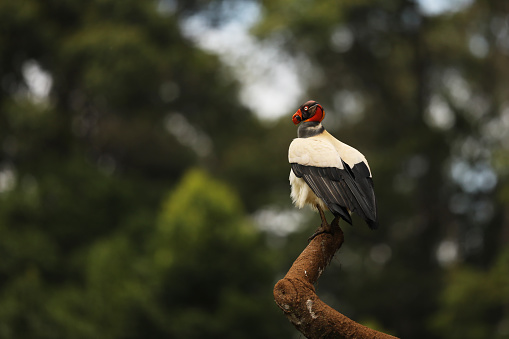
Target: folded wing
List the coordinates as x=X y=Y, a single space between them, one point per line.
x=341 y=187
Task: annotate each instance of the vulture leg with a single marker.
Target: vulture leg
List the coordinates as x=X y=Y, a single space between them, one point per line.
x=324 y=227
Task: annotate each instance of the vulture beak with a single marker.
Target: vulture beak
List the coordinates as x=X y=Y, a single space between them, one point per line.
x=297 y=117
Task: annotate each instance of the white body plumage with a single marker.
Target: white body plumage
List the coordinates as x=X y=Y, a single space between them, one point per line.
x=321 y=150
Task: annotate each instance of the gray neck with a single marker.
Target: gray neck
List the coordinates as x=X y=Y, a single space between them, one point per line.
x=309 y=129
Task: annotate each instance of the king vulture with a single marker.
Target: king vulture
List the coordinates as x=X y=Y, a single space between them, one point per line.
x=328 y=174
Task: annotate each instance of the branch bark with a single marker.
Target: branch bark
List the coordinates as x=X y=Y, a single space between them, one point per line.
x=295 y=294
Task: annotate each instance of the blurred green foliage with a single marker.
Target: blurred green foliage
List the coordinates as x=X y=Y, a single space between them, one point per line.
x=478 y=298
x=128 y=190
x=204 y=242
x=87 y=249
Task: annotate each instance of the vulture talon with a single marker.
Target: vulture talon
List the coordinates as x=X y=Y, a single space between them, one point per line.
x=321 y=230
x=324 y=227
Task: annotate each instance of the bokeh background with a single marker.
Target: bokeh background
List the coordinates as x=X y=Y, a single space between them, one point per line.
x=143 y=164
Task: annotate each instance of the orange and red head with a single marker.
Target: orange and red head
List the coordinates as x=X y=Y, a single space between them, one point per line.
x=309 y=111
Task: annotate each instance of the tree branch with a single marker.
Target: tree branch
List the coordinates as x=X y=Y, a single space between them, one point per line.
x=295 y=294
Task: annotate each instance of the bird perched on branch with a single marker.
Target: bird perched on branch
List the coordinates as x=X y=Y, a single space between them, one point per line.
x=327 y=173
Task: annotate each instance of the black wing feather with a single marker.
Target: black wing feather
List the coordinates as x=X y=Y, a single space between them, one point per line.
x=342 y=189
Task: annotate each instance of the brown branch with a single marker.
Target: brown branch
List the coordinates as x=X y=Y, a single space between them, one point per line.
x=295 y=294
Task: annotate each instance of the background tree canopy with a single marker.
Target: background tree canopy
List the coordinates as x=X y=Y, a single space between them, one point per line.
x=141 y=197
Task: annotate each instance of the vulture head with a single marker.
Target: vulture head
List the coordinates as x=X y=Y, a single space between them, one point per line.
x=309 y=111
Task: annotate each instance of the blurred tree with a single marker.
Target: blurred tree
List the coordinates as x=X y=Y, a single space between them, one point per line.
x=215 y=272
x=103 y=106
x=475 y=303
